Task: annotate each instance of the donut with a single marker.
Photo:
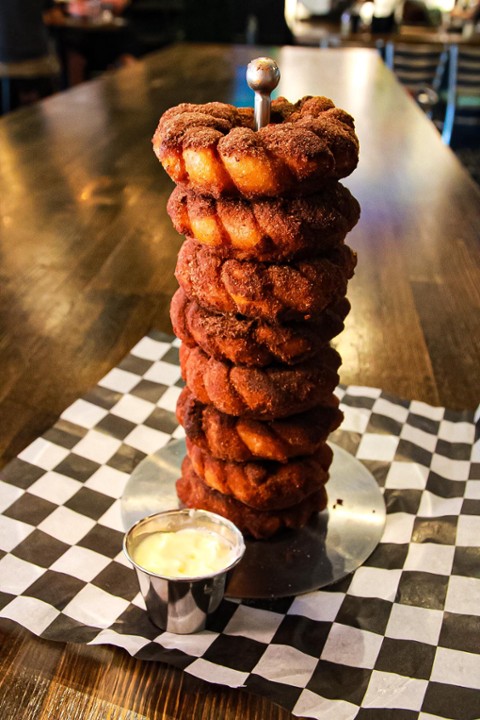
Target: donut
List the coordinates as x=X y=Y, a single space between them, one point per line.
x=263 y=485
x=242 y=439
x=245 y=341
x=214 y=150
x=266 y=229
x=193 y=492
x=262 y=393
x=296 y=291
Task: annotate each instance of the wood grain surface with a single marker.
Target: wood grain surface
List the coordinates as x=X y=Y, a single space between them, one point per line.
x=87 y=260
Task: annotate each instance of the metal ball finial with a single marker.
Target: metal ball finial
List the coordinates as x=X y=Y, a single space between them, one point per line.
x=263 y=77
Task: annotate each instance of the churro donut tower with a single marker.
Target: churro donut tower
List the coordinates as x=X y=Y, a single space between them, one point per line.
x=262 y=275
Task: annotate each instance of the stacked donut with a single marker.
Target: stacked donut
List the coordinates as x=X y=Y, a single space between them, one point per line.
x=263 y=275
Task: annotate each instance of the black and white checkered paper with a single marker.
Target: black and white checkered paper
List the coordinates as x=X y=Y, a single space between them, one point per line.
x=399 y=639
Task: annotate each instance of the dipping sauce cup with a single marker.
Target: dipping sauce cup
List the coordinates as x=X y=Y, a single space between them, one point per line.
x=182 y=558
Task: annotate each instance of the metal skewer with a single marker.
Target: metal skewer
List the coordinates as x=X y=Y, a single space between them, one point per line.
x=263 y=76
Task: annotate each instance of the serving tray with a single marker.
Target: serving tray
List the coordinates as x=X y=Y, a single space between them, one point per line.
x=336 y=541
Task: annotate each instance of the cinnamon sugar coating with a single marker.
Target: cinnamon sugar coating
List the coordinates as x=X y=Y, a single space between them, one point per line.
x=253 y=342
x=266 y=229
x=263 y=485
x=263 y=276
x=213 y=148
x=193 y=492
x=269 y=393
x=295 y=291
x=242 y=439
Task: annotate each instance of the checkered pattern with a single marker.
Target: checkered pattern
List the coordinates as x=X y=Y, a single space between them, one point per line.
x=399 y=639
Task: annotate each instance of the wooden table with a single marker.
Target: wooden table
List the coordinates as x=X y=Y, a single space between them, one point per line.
x=88 y=255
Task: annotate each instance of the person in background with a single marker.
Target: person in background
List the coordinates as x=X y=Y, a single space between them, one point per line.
x=384 y=18
x=23 y=33
x=466 y=12
x=89 y=8
x=24 y=39
x=415 y=12
x=90 y=54
x=380 y=16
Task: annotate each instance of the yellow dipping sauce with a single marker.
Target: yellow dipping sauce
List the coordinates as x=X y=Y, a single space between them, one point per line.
x=190 y=552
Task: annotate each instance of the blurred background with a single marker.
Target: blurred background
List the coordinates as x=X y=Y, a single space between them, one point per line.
x=48 y=46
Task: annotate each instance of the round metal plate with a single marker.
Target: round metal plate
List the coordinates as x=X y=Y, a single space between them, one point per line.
x=335 y=543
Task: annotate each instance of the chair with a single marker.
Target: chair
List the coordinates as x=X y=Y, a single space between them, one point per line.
x=42 y=73
x=420 y=68
x=463 y=93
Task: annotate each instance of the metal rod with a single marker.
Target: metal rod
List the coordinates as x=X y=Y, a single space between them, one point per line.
x=263 y=77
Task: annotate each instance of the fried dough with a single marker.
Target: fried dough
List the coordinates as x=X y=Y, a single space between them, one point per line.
x=254 y=342
x=213 y=148
x=266 y=229
x=262 y=393
x=242 y=439
x=295 y=291
x=193 y=492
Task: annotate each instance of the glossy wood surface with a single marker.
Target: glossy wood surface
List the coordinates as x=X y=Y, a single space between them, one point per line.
x=87 y=260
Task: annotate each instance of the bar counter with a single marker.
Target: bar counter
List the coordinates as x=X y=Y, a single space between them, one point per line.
x=88 y=255
x=322 y=32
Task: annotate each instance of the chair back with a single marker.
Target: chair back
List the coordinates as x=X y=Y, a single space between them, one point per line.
x=463 y=94
x=417 y=65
